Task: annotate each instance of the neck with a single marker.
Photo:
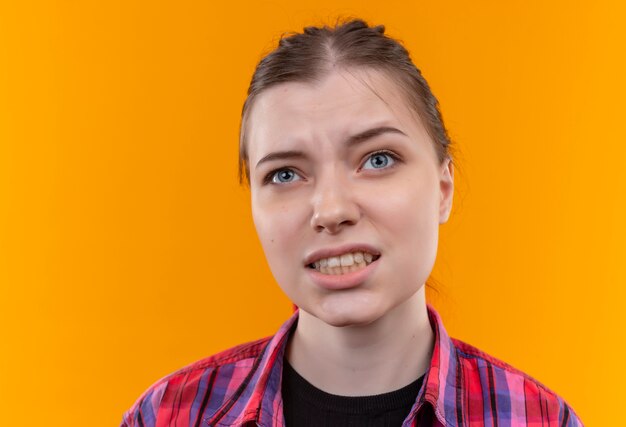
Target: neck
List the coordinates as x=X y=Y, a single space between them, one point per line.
x=382 y=356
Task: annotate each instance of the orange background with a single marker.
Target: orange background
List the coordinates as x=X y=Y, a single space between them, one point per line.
x=127 y=248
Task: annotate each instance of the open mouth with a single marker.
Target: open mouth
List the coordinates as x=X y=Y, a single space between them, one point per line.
x=345 y=263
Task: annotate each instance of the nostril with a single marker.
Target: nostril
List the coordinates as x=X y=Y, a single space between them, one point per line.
x=331 y=214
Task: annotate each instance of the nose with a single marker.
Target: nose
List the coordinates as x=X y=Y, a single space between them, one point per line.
x=334 y=207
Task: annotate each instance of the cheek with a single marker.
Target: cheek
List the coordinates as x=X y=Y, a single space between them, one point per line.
x=410 y=213
x=423 y=213
x=279 y=226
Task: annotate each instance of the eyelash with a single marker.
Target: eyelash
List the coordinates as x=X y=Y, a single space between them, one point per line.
x=268 y=179
x=391 y=154
x=270 y=176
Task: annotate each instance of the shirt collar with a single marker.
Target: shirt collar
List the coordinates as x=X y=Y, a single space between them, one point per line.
x=257 y=401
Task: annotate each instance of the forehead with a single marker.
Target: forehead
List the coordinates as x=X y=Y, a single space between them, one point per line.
x=341 y=104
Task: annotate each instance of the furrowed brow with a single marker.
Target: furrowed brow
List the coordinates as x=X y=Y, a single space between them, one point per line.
x=352 y=140
x=281 y=155
x=372 y=133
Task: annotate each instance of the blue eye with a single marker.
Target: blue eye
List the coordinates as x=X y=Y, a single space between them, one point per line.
x=379 y=161
x=283 y=176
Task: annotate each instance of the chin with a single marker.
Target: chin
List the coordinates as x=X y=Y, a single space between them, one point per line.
x=341 y=321
x=342 y=315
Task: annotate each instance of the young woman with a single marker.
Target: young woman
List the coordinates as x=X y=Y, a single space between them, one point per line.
x=350 y=174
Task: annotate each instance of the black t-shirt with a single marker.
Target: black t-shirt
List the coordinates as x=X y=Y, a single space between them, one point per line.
x=304 y=405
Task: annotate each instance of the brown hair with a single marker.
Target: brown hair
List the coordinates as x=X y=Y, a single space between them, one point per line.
x=307 y=56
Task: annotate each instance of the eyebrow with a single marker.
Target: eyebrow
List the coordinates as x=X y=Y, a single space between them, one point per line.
x=352 y=140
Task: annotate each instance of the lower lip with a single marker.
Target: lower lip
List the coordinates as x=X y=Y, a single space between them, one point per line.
x=342 y=281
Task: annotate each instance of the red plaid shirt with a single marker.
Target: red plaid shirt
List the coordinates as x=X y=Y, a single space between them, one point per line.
x=242 y=387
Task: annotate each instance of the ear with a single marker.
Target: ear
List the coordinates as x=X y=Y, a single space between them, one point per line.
x=446 y=187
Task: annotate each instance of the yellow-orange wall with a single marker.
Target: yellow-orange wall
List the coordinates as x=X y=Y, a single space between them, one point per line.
x=126 y=245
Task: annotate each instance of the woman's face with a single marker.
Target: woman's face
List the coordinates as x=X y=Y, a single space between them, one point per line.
x=347 y=194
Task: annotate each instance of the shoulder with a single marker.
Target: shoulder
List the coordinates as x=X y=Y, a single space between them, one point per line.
x=499 y=386
x=200 y=385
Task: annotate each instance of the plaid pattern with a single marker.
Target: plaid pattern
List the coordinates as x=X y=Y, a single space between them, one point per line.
x=241 y=387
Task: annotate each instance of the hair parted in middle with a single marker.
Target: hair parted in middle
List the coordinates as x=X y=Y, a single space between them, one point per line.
x=310 y=55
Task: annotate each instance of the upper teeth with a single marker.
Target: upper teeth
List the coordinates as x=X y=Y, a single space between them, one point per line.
x=344 y=260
